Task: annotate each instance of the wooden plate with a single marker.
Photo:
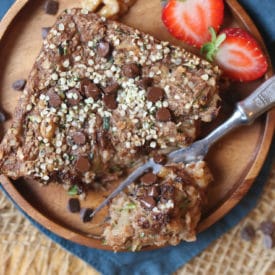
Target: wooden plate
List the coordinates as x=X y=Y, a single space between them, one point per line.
x=235 y=160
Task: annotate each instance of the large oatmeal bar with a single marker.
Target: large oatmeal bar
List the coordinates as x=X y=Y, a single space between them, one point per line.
x=100 y=96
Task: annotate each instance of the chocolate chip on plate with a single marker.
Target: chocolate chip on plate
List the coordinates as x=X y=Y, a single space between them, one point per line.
x=44 y=32
x=145 y=82
x=112 y=88
x=3 y=117
x=54 y=99
x=73 y=205
x=160 y=159
x=268 y=241
x=85 y=214
x=89 y=89
x=267 y=227
x=131 y=70
x=149 y=178
x=79 y=138
x=104 y=49
x=73 y=97
x=153 y=191
x=110 y=101
x=147 y=202
x=155 y=94
x=19 y=84
x=163 y=114
x=82 y=164
x=51 y=7
x=248 y=233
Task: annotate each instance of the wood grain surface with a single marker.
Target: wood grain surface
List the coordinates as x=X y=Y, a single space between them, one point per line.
x=235 y=160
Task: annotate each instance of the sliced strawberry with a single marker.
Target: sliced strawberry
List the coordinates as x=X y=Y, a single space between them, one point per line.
x=237 y=53
x=189 y=20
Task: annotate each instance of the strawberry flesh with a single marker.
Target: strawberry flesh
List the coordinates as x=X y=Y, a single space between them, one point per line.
x=240 y=56
x=189 y=20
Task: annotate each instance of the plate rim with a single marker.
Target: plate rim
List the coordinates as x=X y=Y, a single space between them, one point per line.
x=217 y=213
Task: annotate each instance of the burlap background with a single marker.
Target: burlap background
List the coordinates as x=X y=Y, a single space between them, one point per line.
x=23 y=250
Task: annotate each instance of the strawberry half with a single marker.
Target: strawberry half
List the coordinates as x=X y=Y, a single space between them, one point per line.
x=189 y=20
x=237 y=53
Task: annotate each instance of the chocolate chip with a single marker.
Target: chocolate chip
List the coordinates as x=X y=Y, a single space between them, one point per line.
x=2 y=117
x=149 y=178
x=104 y=49
x=73 y=97
x=85 y=214
x=268 y=241
x=163 y=114
x=44 y=32
x=79 y=138
x=153 y=191
x=110 y=101
x=267 y=227
x=112 y=88
x=155 y=94
x=54 y=99
x=73 y=205
x=131 y=70
x=147 y=202
x=19 y=84
x=51 y=7
x=90 y=89
x=82 y=164
x=145 y=82
x=160 y=159
x=248 y=233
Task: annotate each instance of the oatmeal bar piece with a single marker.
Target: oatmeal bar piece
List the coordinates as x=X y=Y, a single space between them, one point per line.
x=161 y=212
x=100 y=95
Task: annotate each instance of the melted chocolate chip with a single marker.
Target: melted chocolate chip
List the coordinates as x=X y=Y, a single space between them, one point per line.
x=90 y=89
x=163 y=115
x=51 y=7
x=155 y=94
x=160 y=159
x=73 y=205
x=148 y=178
x=73 y=97
x=79 y=138
x=104 y=49
x=131 y=70
x=19 y=84
x=145 y=82
x=147 y=202
x=110 y=101
x=85 y=214
x=112 y=88
x=82 y=164
x=248 y=233
x=267 y=227
x=153 y=191
x=54 y=99
x=44 y=32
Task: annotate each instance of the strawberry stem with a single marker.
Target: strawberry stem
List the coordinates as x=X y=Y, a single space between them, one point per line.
x=210 y=48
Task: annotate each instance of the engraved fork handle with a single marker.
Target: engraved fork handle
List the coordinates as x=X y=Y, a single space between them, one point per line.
x=261 y=100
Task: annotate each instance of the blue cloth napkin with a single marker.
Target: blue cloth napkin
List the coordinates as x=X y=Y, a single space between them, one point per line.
x=169 y=259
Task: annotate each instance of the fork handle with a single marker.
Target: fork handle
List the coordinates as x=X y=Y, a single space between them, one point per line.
x=261 y=100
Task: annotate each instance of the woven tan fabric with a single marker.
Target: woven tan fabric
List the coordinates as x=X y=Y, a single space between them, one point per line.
x=23 y=250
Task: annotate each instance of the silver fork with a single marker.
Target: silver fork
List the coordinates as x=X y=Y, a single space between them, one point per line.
x=246 y=111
